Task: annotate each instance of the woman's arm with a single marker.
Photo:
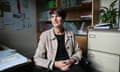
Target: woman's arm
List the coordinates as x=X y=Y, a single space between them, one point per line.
x=77 y=51
x=40 y=58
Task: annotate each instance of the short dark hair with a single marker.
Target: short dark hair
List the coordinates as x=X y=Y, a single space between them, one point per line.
x=59 y=11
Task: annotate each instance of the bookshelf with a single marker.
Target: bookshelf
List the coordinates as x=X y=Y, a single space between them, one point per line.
x=78 y=11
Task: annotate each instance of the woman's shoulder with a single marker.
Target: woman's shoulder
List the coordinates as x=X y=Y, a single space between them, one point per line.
x=69 y=31
x=45 y=32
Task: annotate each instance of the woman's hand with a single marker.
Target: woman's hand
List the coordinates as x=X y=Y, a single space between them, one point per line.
x=62 y=65
x=70 y=61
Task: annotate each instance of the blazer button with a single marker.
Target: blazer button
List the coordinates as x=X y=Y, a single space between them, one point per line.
x=67 y=47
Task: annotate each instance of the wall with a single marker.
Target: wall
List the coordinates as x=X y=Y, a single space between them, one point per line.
x=107 y=2
x=24 y=40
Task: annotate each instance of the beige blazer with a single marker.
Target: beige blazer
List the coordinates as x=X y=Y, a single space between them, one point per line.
x=47 y=47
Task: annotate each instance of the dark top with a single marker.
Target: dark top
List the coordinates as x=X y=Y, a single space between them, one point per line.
x=61 y=50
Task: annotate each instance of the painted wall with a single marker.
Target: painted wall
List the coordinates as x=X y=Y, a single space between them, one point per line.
x=107 y=2
x=24 y=40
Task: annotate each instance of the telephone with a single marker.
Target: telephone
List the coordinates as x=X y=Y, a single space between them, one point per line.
x=3 y=47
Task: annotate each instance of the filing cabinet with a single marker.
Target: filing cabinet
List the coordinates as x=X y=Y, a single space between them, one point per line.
x=104 y=50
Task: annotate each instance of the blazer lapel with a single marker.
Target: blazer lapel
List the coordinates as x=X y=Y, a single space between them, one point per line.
x=67 y=37
x=67 y=44
x=54 y=44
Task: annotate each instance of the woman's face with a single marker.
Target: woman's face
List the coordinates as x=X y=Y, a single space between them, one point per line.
x=56 y=20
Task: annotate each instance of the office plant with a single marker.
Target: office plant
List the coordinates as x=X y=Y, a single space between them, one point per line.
x=109 y=14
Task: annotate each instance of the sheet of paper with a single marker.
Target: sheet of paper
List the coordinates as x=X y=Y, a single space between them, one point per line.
x=9 y=59
x=27 y=24
x=8 y=18
x=18 y=24
x=7 y=52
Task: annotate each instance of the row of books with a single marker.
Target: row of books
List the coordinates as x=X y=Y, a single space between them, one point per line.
x=44 y=26
x=71 y=3
x=64 y=3
x=67 y=25
x=44 y=15
x=46 y=4
x=86 y=1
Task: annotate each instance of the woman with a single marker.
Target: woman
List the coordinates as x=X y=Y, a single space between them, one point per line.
x=57 y=49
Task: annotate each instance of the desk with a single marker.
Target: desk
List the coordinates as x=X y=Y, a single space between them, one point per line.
x=11 y=59
x=24 y=67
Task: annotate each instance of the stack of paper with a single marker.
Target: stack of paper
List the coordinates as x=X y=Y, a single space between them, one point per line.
x=10 y=58
x=102 y=26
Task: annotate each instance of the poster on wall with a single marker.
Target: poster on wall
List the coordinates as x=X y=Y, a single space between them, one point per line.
x=14 y=14
x=8 y=18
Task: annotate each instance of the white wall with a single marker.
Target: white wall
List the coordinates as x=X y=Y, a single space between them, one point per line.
x=24 y=41
x=107 y=2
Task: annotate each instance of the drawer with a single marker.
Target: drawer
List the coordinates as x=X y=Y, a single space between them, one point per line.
x=104 y=41
x=104 y=62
